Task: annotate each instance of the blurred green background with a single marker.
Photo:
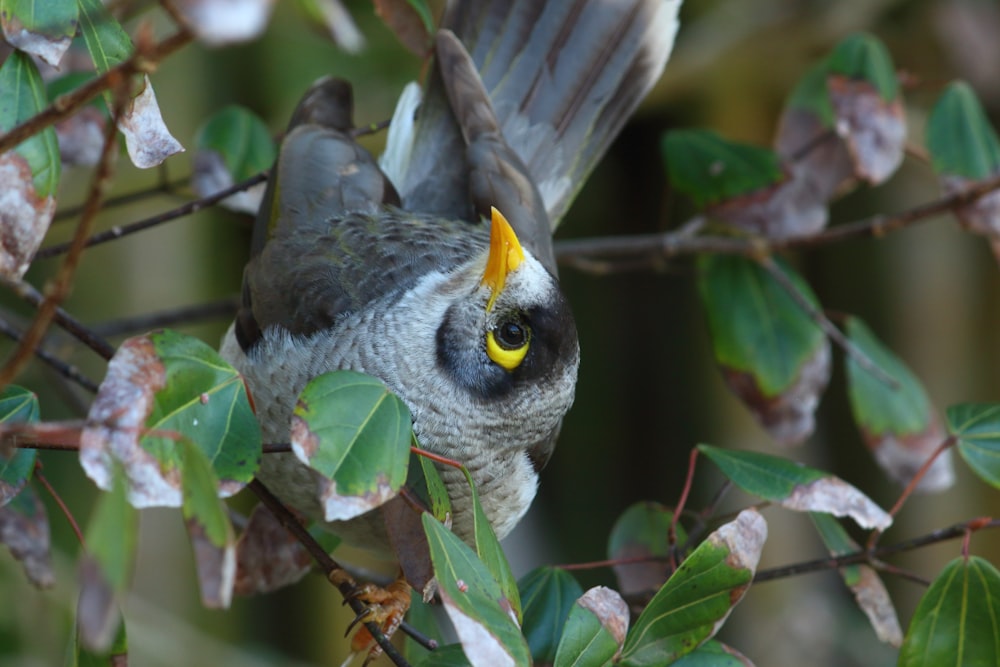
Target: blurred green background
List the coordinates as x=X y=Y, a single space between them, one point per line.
x=648 y=389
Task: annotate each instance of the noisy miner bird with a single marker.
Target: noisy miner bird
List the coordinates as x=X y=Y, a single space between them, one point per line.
x=410 y=272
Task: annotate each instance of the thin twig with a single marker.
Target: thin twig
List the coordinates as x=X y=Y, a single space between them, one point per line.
x=212 y=310
x=63 y=280
x=179 y=212
x=69 y=323
x=678 y=243
x=824 y=323
x=162 y=188
x=59 y=501
x=68 y=371
x=327 y=564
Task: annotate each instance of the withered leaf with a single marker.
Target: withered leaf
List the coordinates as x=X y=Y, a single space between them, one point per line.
x=24 y=528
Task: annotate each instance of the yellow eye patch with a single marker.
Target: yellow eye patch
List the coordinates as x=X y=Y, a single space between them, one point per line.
x=507 y=345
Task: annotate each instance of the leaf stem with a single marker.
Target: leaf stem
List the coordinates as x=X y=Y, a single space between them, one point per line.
x=43 y=480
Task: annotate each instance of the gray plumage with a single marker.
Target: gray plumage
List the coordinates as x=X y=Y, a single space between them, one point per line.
x=380 y=269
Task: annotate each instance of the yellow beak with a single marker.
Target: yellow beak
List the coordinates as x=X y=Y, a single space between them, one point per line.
x=506 y=255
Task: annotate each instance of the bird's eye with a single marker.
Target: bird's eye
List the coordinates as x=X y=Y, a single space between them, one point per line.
x=507 y=344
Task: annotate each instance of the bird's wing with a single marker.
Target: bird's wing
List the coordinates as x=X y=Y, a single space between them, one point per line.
x=563 y=78
x=328 y=238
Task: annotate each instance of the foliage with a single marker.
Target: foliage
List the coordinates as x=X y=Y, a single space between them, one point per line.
x=172 y=423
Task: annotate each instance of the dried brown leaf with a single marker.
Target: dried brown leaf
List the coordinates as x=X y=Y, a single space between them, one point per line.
x=609 y=607
x=874 y=600
x=794 y=207
x=97 y=614
x=116 y=422
x=981 y=216
x=406 y=23
x=790 y=416
x=902 y=456
x=216 y=567
x=24 y=528
x=24 y=216
x=50 y=48
x=816 y=155
x=147 y=138
x=81 y=137
x=211 y=175
x=873 y=130
x=409 y=542
x=835 y=496
x=268 y=557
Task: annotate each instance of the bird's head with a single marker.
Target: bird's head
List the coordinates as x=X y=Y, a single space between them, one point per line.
x=509 y=339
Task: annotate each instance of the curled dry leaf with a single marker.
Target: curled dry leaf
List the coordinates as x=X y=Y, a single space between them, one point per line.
x=220 y=22
x=268 y=557
x=24 y=216
x=24 y=528
x=981 y=216
x=789 y=417
x=147 y=138
x=873 y=130
x=211 y=176
x=835 y=496
x=116 y=422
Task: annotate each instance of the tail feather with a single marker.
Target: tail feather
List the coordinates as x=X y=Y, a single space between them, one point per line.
x=563 y=78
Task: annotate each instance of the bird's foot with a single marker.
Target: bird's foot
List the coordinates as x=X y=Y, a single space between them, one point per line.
x=384 y=606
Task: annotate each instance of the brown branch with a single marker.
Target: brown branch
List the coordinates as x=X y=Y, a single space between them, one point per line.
x=327 y=564
x=212 y=310
x=60 y=286
x=871 y=557
x=69 y=323
x=142 y=61
x=68 y=371
x=675 y=244
x=179 y=212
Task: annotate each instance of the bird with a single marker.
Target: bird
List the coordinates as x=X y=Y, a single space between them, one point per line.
x=433 y=268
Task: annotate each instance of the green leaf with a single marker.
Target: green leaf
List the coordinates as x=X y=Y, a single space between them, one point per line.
x=976 y=428
x=957 y=622
x=474 y=601
x=863 y=57
x=204 y=400
x=713 y=654
x=106 y=568
x=241 y=138
x=594 y=631
x=17 y=405
x=959 y=135
x=642 y=532
x=694 y=603
x=208 y=526
x=43 y=28
x=23 y=97
x=451 y=655
x=107 y=42
x=710 y=169
x=796 y=486
x=352 y=430
x=491 y=553
x=425 y=482
x=878 y=407
x=756 y=326
x=811 y=94
x=547 y=594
